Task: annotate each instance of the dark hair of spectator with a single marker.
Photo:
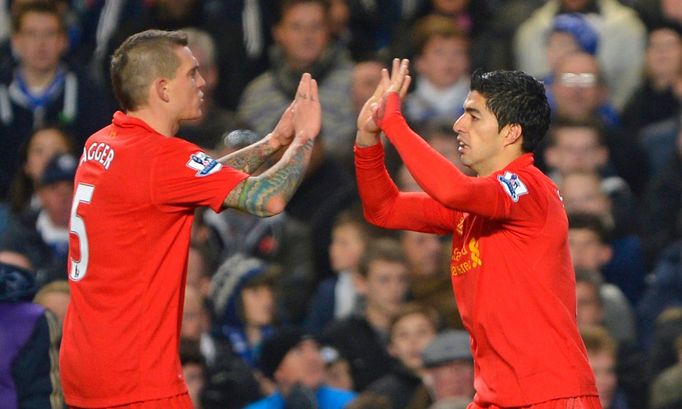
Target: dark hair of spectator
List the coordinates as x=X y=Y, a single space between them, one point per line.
x=383 y=249
x=590 y=222
x=285 y=5
x=38 y=7
x=413 y=308
x=563 y=122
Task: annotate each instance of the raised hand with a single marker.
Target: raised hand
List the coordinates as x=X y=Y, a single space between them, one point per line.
x=399 y=82
x=307 y=112
x=283 y=133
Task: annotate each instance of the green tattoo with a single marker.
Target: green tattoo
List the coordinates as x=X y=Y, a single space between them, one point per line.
x=249 y=158
x=278 y=184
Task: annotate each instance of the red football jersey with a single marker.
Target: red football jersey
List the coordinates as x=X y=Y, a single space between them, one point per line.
x=135 y=195
x=510 y=266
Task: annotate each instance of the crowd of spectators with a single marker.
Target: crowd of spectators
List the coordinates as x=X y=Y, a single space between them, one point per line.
x=313 y=307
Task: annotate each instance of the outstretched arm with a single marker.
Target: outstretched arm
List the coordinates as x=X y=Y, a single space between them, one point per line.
x=439 y=178
x=268 y=193
x=250 y=158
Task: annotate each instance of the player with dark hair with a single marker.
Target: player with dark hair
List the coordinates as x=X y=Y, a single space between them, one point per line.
x=136 y=189
x=510 y=265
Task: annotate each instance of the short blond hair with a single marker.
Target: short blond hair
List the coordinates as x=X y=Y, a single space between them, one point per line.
x=57 y=286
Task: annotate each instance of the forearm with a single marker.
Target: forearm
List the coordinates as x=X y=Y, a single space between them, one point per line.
x=383 y=204
x=252 y=157
x=268 y=193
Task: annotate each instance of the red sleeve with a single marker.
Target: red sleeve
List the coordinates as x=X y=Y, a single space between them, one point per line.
x=183 y=177
x=386 y=207
x=439 y=178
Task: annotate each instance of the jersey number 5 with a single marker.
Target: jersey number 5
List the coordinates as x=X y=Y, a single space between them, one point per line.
x=83 y=195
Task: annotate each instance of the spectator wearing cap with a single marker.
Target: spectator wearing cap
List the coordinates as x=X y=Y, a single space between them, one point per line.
x=622 y=40
x=570 y=32
x=292 y=359
x=44 y=234
x=449 y=369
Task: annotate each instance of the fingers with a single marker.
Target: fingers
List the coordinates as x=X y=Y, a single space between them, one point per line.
x=405 y=86
x=399 y=73
x=303 y=87
x=314 y=91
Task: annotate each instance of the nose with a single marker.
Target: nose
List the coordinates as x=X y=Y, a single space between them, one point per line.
x=200 y=80
x=459 y=125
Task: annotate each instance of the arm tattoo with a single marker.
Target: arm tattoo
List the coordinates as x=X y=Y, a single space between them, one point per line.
x=277 y=185
x=249 y=158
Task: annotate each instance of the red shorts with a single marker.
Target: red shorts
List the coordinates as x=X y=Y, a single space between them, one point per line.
x=581 y=402
x=181 y=401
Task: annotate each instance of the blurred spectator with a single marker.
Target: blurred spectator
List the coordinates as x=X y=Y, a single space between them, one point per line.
x=303 y=44
x=654 y=12
x=366 y=77
x=578 y=93
x=372 y=24
x=430 y=284
x=55 y=297
x=585 y=192
x=449 y=369
x=621 y=42
x=362 y=338
x=280 y=239
x=44 y=234
x=29 y=336
x=215 y=121
x=655 y=100
x=668 y=328
x=442 y=66
x=665 y=389
x=337 y=369
x=16 y=258
x=293 y=360
x=244 y=303
x=229 y=382
x=660 y=214
x=602 y=352
x=410 y=331
x=326 y=190
x=44 y=143
x=590 y=250
x=369 y=400
x=569 y=33
x=44 y=89
x=664 y=291
x=579 y=145
x=337 y=297
x=193 y=370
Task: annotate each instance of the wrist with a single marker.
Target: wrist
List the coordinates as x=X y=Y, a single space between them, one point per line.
x=366 y=138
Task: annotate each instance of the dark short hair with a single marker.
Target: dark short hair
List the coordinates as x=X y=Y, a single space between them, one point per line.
x=40 y=7
x=592 y=222
x=515 y=97
x=385 y=249
x=285 y=5
x=142 y=58
x=413 y=308
x=565 y=122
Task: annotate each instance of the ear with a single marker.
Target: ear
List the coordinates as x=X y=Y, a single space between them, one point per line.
x=419 y=64
x=606 y=254
x=513 y=134
x=160 y=89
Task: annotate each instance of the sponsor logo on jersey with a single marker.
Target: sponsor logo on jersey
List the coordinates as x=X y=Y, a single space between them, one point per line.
x=203 y=164
x=466 y=258
x=512 y=185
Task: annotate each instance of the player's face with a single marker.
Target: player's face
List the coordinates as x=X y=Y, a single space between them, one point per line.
x=185 y=90
x=410 y=335
x=480 y=140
